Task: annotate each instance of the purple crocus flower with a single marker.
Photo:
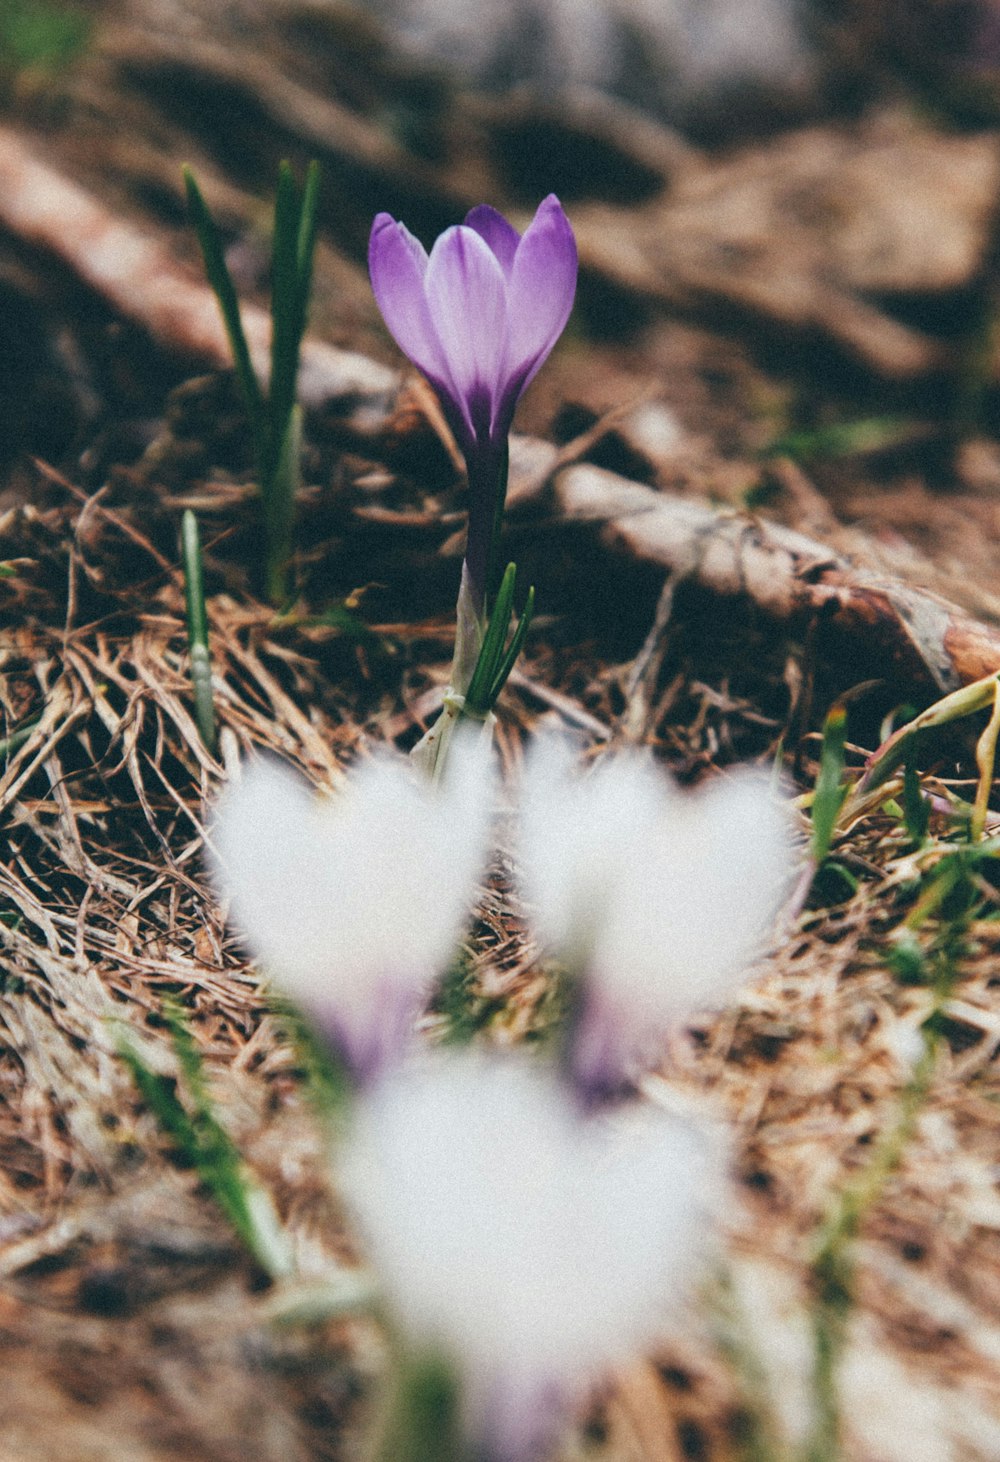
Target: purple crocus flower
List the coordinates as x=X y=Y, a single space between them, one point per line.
x=479 y=316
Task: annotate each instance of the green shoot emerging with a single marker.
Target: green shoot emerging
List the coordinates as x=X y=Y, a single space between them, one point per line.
x=197 y=624
x=275 y=420
x=203 y=1142
x=497 y=658
x=830 y=792
x=845 y=438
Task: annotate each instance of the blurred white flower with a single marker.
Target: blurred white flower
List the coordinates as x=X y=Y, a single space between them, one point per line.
x=531 y=1248
x=355 y=901
x=656 y=899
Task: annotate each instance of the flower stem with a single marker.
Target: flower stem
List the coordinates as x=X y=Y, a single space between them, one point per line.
x=422 y=1421
x=488 y=466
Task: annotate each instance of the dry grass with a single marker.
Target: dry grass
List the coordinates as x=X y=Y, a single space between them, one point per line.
x=132 y=1325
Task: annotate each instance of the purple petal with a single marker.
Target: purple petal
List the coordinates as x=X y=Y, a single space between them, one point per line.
x=520 y=1418
x=542 y=286
x=371 y=1038
x=398 y=264
x=501 y=236
x=602 y=1058
x=467 y=302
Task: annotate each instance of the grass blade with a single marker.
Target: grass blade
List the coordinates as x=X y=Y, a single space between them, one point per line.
x=830 y=792
x=279 y=511
x=477 y=696
x=197 y=622
x=986 y=751
x=514 y=648
x=10 y=744
x=295 y=221
x=308 y=220
x=979 y=696
x=225 y=292
x=203 y=1142
x=916 y=808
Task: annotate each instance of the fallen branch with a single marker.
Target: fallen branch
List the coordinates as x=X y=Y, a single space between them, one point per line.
x=139 y=276
x=785 y=575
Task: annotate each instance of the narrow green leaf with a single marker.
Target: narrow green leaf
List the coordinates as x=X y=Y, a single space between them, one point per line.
x=477 y=695
x=197 y=622
x=847 y=438
x=225 y=292
x=980 y=695
x=295 y=222
x=10 y=744
x=308 y=221
x=830 y=790
x=423 y=1423
x=328 y=1082
x=220 y=1166
x=206 y=1146
x=279 y=510
x=160 y=1097
x=514 y=649
x=916 y=808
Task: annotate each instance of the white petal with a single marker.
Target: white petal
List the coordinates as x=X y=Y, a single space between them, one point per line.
x=658 y=899
x=339 y=895
x=575 y=832
x=694 y=905
x=535 y=1247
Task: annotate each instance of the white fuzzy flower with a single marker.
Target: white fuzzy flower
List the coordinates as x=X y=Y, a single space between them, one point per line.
x=656 y=898
x=355 y=901
x=531 y=1247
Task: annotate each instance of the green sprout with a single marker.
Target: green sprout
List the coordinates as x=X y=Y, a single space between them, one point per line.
x=915 y=808
x=844 y=438
x=495 y=661
x=197 y=624
x=16 y=739
x=926 y=949
x=275 y=418
x=203 y=1142
x=899 y=749
x=833 y=1258
x=830 y=792
x=422 y=1422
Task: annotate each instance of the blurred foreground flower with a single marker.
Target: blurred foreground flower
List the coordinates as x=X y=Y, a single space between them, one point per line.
x=355 y=902
x=524 y=1248
x=479 y=317
x=656 y=899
